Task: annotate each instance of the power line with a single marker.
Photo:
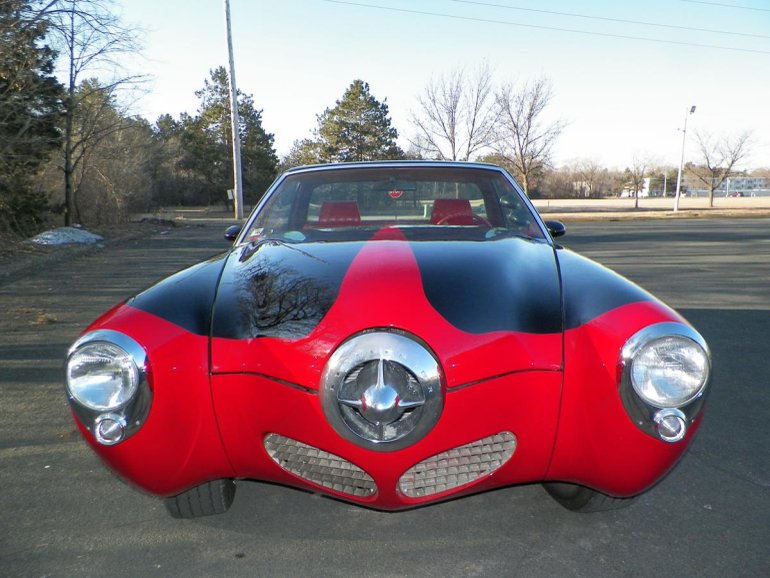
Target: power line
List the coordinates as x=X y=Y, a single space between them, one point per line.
x=720 y=4
x=607 y=19
x=549 y=28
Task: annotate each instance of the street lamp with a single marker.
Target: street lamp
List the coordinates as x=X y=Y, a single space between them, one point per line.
x=681 y=160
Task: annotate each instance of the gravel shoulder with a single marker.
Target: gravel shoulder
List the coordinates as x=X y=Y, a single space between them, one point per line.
x=22 y=257
x=19 y=258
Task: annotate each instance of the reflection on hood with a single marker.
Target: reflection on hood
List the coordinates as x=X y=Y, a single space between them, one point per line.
x=274 y=289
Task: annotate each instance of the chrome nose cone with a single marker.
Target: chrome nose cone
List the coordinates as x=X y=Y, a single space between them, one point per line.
x=387 y=393
x=382 y=390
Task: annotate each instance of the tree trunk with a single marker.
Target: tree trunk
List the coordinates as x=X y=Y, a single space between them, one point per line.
x=68 y=128
x=68 y=163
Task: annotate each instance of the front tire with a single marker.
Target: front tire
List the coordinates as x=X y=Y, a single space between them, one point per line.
x=211 y=498
x=581 y=499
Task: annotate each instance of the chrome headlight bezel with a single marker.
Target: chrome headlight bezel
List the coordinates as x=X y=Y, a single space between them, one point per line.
x=125 y=405
x=648 y=407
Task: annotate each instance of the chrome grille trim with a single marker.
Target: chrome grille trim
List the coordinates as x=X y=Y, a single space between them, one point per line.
x=458 y=467
x=319 y=467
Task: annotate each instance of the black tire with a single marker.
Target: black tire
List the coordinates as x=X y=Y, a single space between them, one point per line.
x=211 y=498
x=581 y=499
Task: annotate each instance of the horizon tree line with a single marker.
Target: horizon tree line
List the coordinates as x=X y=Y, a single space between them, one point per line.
x=73 y=151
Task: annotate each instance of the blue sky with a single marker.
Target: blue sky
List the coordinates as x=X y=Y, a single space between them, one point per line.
x=620 y=96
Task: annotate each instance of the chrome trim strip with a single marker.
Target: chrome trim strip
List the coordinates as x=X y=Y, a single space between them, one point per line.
x=499 y=376
x=270 y=378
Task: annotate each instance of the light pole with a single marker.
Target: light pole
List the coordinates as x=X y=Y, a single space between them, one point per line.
x=681 y=160
x=234 y=121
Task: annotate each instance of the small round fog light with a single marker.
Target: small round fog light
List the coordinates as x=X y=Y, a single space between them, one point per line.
x=109 y=429
x=671 y=425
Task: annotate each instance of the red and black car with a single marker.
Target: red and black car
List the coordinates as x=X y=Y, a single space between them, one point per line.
x=391 y=334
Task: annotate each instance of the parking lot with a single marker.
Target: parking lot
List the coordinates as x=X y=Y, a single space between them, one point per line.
x=63 y=514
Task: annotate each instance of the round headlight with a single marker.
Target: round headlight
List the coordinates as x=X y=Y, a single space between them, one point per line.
x=669 y=371
x=102 y=376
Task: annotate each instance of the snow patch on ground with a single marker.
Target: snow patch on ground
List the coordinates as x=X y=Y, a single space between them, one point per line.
x=66 y=236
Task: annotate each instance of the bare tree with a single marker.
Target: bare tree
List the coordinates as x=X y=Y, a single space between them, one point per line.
x=719 y=156
x=636 y=174
x=559 y=183
x=456 y=116
x=588 y=172
x=90 y=37
x=97 y=124
x=524 y=139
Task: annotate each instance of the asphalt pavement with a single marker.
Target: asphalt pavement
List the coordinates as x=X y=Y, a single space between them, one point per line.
x=64 y=514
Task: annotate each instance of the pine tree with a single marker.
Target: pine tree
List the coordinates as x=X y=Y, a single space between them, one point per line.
x=30 y=108
x=207 y=141
x=357 y=128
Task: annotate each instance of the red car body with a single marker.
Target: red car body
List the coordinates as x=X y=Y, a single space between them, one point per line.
x=527 y=337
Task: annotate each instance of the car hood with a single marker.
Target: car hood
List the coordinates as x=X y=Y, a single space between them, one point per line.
x=484 y=308
x=282 y=290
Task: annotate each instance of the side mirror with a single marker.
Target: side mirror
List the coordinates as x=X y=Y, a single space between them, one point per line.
x=556 y=228
x=232 y=232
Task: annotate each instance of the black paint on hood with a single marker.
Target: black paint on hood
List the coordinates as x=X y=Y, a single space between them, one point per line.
x=277 y=289
x=509 y=284
x=185 y=298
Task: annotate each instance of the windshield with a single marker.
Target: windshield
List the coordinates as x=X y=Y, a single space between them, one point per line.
x=353 y=203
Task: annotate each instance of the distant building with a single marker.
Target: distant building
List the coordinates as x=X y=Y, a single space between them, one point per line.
x=732 y=186
x=747 y=186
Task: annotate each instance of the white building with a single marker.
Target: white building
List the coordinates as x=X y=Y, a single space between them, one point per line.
x=628 y=190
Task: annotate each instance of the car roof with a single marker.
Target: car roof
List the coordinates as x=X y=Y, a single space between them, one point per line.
x=394 y=164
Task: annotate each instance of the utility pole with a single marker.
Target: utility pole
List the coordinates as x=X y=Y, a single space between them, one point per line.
x=681 y=160
x=235 y=122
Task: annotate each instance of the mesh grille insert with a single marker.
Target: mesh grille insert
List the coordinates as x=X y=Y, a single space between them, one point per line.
x=458 y=466
x=319 y=467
